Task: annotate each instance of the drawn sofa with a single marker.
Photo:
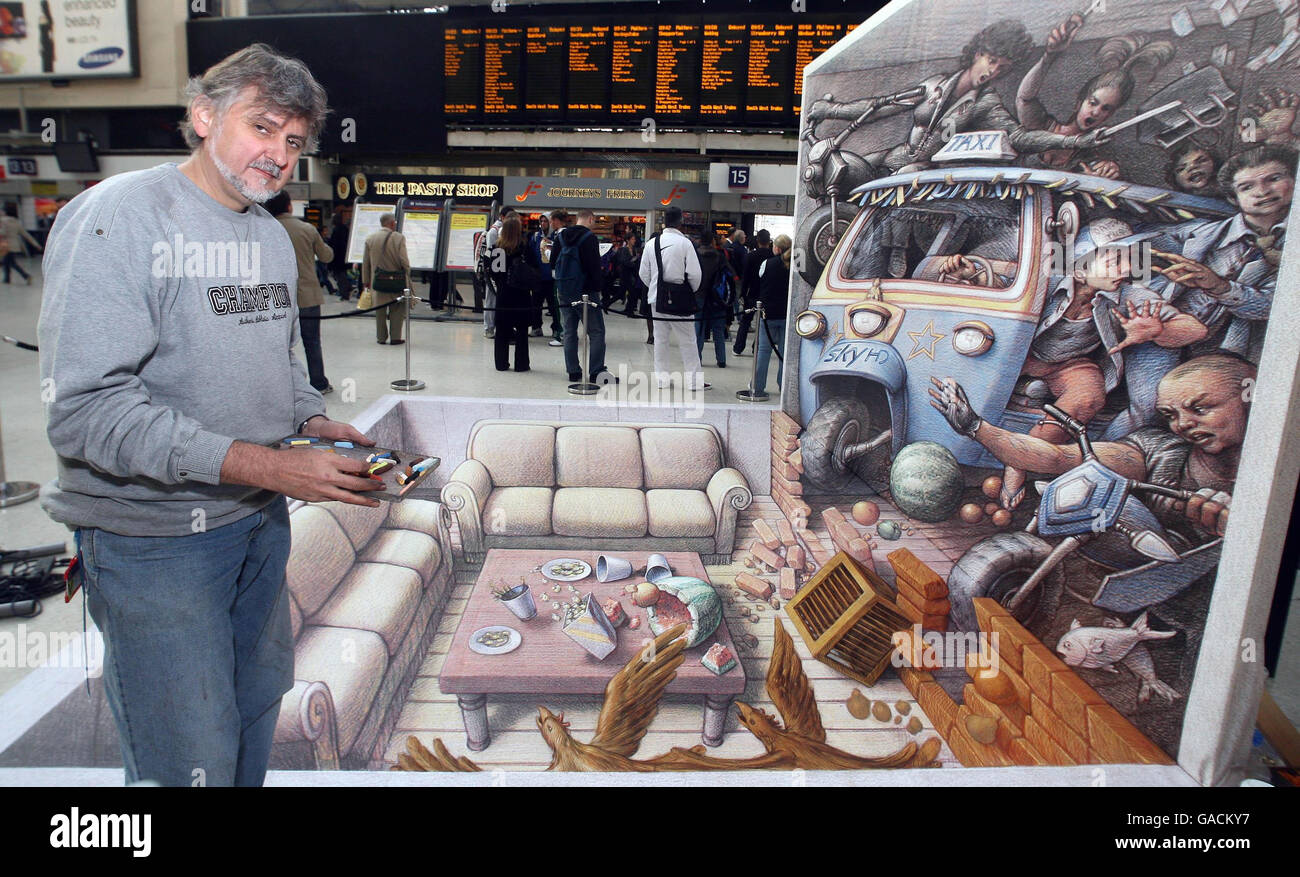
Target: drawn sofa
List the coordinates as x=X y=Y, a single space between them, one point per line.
x=365 y=584
x=536 y=484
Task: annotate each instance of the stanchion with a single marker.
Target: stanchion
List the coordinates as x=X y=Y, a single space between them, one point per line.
x=14 y=492
x=584 y=387
x=408 y=384
x=751 y=394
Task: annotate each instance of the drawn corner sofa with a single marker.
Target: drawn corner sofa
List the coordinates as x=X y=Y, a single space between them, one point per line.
x=538 y=484
x=365 y=586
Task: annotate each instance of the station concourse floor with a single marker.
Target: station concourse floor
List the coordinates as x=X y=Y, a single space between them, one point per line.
x=453 y=358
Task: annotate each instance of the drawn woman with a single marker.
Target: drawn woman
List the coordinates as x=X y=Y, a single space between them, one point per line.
x=1097 y=100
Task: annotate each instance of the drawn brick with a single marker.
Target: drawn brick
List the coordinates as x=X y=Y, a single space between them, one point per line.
x=1040 y=666
x=788 y=586
x=796 y=460
x=985 y=609
x=1011 y=639
x=929 y=607
x=1115 y=740
x=754 y=586
x=1043 y=742
x=766 y=534
x=785 y=533
x=937 y=706
x=1074 y=744
x=766 y=555
x=922 y=579
x=795 y=557
x=1071 y=697
x=1022 y=752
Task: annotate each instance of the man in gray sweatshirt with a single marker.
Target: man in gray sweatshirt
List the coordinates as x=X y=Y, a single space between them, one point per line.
x=166 y=332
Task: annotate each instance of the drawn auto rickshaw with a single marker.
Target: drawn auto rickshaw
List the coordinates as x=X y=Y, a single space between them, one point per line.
x=885 y=315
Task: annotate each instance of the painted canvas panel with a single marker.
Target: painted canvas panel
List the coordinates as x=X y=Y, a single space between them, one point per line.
x=1036 y=255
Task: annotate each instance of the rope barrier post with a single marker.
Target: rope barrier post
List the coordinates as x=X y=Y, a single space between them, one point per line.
x=408 y=384
x=584 y=387
x=751 y=394
x=14 y=492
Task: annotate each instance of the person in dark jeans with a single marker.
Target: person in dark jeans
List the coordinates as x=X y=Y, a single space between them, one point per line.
x=774 y=292
x=310 y=251
x=711 y=318
x=514 y=303
x=14 y=233
x=582 y=240
x=339 y=264
x=749 y=286
x=545 y=295
x=737 y=253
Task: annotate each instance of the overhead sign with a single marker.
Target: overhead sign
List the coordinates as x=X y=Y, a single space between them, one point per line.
x=738 y=176
x=466 y=190
x=638 y=196
x=67 y=39
x=25 y=167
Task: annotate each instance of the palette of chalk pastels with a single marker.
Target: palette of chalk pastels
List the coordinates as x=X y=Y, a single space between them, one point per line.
x=400 y=471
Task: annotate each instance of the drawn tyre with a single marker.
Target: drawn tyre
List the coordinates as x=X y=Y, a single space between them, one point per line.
x=817 y=239
x=836 y=425
x=996 y=567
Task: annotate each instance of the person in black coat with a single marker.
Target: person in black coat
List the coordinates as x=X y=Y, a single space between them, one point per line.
x=514 y=303
x=774 y=292
x=711 y=318
x=338 y=242
x=737 y=253
x=749 y=286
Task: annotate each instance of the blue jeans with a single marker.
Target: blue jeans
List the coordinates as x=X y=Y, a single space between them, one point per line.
x=717 y=327
x=572 y=317
x=198 y=648
x=776 y=329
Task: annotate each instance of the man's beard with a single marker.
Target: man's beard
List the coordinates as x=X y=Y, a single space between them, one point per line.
x=253 y=195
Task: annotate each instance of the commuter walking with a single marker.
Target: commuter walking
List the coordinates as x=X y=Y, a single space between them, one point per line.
x=308 y=247
x=13 y=235
x=386 y=269
x=712 y=298
x=774 y=292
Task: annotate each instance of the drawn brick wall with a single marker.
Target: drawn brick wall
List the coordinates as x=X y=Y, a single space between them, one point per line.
x=1045 y=713
x=922 y=593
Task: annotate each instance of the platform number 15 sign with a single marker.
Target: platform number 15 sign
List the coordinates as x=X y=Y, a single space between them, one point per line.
x=737 y=176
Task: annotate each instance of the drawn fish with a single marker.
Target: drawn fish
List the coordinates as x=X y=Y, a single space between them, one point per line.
x=1099 y=647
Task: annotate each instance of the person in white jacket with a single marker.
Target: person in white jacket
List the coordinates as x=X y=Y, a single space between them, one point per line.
x=681 y=264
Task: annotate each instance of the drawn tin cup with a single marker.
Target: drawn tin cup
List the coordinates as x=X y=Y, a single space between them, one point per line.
x=657 y=568
x=519 y=600
x=610 y=568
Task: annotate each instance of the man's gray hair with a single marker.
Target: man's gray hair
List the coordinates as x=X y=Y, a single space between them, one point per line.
x=387 y=219
x=283 y=84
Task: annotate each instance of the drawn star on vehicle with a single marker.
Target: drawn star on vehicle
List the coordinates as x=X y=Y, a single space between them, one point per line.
x=919 y=338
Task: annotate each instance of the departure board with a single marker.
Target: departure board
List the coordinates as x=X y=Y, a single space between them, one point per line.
x=677 y=71
x=503 y=57
x=588 y=71
x=693 y=70
x=811 y=39
x=632 y=72
x=724 y=58
x=769 y=93
x=546 y=60
x=462 y=71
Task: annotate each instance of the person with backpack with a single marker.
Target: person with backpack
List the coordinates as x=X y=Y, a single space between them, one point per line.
x=577 y=272
x=514 y=275
x=712 y=298
x=487 y=255
x=671 y=271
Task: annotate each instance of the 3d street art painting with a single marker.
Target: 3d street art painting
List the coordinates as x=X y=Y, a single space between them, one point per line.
x=991 y=523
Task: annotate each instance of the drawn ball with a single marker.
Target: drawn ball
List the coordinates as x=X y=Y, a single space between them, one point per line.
x=992 y=486
x=925 y=481
x=991 y=508
x=866 y=512
x=1001 y=518
x=971 y=513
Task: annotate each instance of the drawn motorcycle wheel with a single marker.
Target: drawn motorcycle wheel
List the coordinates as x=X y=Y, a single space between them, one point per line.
x=996 y=567
x=817 y=238
x=837 y=425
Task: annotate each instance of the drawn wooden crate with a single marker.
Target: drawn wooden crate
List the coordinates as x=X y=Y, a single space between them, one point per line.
x=846 y=619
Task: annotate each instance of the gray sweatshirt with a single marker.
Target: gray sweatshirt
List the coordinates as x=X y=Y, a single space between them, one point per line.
x=165 y=333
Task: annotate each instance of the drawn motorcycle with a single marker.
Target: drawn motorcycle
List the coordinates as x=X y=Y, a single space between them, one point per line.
x=1096 y=512
x=830 y=173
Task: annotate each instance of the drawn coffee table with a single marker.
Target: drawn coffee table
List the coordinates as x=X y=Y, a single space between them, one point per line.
x=549 y=663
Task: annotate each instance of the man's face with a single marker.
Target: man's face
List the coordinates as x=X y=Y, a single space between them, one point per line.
x=544 y=224
x=1097 y=107
x=1194 y=172
x=1107 y=268
x=1263 y=192
x=985 y=68
x=251 y=146
x=1204 y=409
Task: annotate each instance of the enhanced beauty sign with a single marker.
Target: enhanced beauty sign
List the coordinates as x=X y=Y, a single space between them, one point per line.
x=67 y=39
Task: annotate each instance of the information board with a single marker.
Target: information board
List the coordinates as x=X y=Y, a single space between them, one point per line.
x=463 y=229
x=462 y=71
x=811 y=39
x=503 y=68
x=677 y=78
x=724 y=59
x=588 y=71
x=365 y=222
x=421 y=228
x=632 y=71
x=769 y=91
x=546 y=60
